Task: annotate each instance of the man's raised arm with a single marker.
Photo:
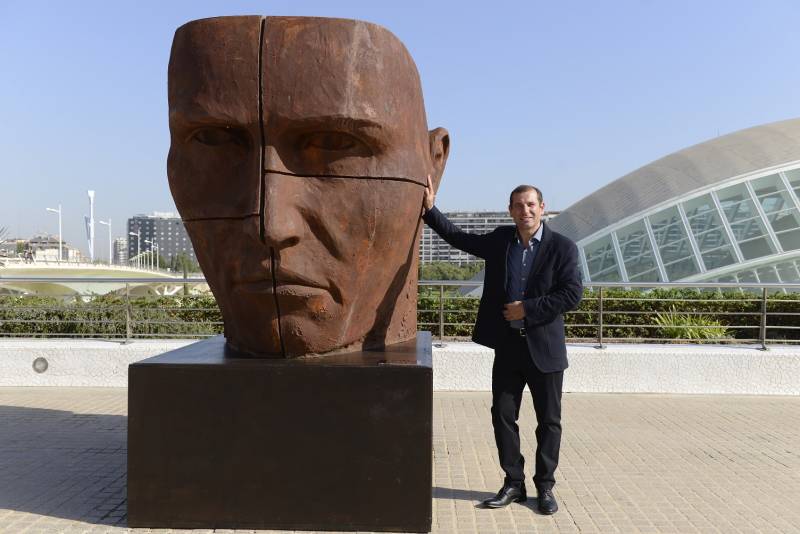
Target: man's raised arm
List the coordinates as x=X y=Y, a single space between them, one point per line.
x=474 y=244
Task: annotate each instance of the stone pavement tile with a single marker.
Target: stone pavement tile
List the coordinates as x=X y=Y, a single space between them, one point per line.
x=629 y=463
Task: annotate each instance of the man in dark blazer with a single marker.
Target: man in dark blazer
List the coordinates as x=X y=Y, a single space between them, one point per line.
x=531 y=280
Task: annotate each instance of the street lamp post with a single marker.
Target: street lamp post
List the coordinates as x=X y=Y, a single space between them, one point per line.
x=153 y=246
x=59 y=229
x=110 y=253
x=138 y=235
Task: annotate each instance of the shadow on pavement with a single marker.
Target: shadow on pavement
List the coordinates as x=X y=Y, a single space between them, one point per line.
x=63 y=464
x=461 y=494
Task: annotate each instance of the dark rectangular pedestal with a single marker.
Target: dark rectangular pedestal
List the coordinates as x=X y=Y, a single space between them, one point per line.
x=332 y=443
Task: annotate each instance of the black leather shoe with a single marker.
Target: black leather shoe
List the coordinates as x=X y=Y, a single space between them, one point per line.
x=506 y=496
x=547 y=502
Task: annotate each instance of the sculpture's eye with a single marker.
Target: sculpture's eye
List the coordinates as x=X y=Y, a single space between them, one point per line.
x=336 y=142
x=216 y=136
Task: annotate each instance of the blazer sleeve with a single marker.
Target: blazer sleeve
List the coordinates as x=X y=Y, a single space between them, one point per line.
x=475 y=244
x=565 y=293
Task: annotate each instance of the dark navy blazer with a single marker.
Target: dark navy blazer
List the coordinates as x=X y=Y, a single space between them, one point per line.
x=554 y=287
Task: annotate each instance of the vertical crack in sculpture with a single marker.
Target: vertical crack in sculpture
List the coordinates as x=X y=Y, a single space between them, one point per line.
x=262 y=156
x=263 y=180
x=274 y=269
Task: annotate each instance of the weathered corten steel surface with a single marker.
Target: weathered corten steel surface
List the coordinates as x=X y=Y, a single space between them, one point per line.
x=299 y=157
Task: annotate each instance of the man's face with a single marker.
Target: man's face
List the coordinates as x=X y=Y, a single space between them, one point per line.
x=526 y=210
x=298 y=159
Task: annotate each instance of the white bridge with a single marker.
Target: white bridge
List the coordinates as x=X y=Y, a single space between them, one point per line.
x=52 y=278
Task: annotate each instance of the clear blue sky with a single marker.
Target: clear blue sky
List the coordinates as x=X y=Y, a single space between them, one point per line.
x=564 y=95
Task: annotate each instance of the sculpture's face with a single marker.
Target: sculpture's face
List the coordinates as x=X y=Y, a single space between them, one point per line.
x=298 y=159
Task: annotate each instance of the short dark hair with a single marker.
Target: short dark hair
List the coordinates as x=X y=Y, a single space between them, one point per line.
x=523 y=189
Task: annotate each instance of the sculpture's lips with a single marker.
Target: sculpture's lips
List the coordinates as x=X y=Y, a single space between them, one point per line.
x=285 y=283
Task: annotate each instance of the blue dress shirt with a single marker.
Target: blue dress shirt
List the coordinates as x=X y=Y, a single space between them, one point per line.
x=518 y=266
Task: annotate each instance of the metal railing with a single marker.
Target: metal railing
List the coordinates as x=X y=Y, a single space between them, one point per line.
x=707 y=312
x=137 y=308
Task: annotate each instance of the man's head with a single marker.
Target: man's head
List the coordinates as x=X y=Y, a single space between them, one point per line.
x=526 y=207
x=298 y=161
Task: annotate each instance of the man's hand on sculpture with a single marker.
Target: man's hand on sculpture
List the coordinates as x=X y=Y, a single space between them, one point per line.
x=430 y=195
x=514 y=311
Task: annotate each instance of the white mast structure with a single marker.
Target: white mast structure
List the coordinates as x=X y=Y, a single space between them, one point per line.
x=90 y=226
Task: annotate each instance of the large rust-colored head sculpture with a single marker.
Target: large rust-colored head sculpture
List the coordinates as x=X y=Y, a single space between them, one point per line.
x=299 y=156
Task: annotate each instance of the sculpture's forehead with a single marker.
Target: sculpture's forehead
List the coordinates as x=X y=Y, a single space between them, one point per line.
x=298 y=67
x=213 y=70
x=337 y=67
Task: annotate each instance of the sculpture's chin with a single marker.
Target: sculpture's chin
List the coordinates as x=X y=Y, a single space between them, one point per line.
x=304 y=335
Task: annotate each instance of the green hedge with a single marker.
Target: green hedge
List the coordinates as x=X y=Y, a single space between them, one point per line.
x=106 y=316
x=628 y=312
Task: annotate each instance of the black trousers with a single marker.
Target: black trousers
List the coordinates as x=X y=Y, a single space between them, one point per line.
x=512 y=369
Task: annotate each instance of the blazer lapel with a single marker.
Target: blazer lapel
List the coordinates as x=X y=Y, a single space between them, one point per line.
x=511 y=234
x=544 y=244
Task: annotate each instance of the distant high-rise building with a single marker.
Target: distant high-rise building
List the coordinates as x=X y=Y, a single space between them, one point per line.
x=433 y=248
x=164 y=229
x=121 y=251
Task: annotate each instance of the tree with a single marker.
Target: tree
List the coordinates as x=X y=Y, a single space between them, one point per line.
x=181 y=262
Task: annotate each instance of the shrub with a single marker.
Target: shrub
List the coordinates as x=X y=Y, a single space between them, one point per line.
x=676 y=325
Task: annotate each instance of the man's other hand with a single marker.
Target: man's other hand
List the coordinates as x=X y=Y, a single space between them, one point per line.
x=514 y=311
x=430 y=195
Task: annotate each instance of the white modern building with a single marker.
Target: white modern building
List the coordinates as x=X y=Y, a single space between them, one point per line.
x=726 y=210
x=121 y=251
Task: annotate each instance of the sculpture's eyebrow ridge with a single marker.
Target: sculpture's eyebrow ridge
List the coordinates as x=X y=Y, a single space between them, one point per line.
x=351 y=177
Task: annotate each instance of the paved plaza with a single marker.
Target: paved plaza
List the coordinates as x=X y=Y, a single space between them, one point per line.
x=629 y=463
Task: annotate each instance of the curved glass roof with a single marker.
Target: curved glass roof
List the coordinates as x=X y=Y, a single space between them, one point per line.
x=743 y=229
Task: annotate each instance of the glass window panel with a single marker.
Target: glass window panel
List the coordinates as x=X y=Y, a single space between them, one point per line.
x=665 y=217
x=601 y=260
x=787 y=272
x=747 y=277
x=640 y=264
x=712 y=239
x=720 y=257
x=675 y=251
x=703 y=223
x=699 y=206
x=767 y=184
x=647 y=276
x=668 y=234
x=681 y=269
x=790 y=240
x=767 y=274
x=785 y=220
x=748 y=229
x=756 y=248
x=633 y=239
x=736 y=203
x=776 y=202
x=609 y=275
x=794 y=179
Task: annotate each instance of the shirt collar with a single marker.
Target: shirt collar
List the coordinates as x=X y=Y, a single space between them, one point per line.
x=535 y=237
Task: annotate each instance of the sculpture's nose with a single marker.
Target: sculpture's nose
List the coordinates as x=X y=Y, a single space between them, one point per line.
x=281 y=222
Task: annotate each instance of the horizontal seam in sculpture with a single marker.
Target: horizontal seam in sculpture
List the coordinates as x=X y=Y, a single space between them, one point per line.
x=388 y=178
x=231 y=218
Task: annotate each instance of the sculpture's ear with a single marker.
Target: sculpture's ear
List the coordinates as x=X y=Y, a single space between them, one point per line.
x=440 y=148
